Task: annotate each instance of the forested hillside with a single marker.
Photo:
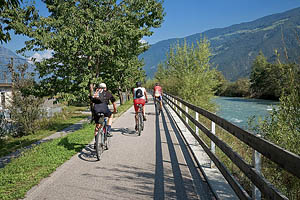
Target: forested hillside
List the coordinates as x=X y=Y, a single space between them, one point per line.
x=234 y=48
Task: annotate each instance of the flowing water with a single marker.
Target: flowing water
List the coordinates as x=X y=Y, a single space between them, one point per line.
x=238 y=110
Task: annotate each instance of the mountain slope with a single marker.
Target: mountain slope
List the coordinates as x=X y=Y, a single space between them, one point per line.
x=235 y=47
x=5 y=58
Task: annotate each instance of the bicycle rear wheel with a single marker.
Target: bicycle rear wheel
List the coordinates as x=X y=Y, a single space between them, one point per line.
x=140 y=123
x=99 y=144
x=143 y=123
x=157 y=107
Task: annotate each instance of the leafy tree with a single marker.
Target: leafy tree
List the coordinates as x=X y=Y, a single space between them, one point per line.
x=126 y=77
x=4 y=6
x=187 y=73
x=240 y=88
x=282 y=127
x=222 y=84
x=258 y=74
x=91 y=40
x=268 y=79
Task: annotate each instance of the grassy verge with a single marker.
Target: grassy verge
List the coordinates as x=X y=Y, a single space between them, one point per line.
x=21 y=174
x=35 y=164
x=69 y=116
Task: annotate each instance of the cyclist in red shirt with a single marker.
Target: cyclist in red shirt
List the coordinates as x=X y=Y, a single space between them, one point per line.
x=157 y=93
x=139 y=97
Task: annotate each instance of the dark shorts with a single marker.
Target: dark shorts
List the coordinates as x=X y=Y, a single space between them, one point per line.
x=101 y=108
x=159 y=97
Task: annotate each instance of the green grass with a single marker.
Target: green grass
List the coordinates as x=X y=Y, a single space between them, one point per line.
x=26 y=171
x=35 y=164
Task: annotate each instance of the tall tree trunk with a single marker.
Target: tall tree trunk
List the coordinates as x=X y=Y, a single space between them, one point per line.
x=91 y=85
x=120 y=95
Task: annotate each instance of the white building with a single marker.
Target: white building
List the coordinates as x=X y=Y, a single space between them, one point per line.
x=5 y=94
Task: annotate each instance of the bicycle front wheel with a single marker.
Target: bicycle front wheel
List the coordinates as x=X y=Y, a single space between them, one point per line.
x=99 y=144
x=107 y=142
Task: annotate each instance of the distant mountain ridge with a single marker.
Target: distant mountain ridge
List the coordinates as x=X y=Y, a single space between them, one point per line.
x=235 y=47
x=5 y=58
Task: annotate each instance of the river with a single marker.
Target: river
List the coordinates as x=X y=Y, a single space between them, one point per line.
x=238 y=110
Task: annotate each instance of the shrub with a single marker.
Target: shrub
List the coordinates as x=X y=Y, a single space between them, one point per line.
x=283 y=129
x=25 y=109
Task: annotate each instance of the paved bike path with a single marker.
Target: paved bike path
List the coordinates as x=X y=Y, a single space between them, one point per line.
x=156 y=165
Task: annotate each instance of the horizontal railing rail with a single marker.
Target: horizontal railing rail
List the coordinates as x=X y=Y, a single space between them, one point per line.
x=285 y=159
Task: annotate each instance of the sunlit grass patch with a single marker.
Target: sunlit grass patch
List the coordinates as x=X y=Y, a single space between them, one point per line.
x=37 y=163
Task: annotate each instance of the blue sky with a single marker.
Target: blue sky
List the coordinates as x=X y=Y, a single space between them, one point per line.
x=187 y=17
x=184 y=18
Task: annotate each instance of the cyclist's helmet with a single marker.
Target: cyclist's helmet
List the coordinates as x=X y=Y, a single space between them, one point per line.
x=102 y=85
x=156 y=84
x=138 y=84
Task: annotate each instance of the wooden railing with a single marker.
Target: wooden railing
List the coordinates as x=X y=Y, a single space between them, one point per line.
x=285 y=159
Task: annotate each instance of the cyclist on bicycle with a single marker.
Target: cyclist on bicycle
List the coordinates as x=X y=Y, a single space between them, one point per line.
x=157 y=94
x=101 y=100
x=139 y=97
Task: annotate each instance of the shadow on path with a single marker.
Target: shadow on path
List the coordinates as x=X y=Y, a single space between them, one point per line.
x=88 y=154
x=184 y=187
x=200 y=183
x=159 y=169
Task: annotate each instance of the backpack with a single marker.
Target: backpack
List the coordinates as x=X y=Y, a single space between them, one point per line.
x=100 y=99
x=139 y=93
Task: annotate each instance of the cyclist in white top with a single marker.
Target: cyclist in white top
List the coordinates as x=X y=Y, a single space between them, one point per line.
x=139 y=97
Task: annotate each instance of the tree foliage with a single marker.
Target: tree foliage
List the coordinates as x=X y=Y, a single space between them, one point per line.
x=91 y=41
x=268 y=79
x=6 y=5
x=187 y=73
x=282 y=127
x=239 y=88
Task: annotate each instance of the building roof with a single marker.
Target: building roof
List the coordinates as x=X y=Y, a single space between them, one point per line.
x=6 y=85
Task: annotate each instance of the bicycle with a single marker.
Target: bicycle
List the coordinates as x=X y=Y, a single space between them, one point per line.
x=157 y=106
x=140 y=121
x=102 y=141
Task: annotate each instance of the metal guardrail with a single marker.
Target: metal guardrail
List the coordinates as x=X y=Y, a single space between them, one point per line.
x=285 y=159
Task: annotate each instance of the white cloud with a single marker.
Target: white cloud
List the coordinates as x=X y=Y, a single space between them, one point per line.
x=40 y=56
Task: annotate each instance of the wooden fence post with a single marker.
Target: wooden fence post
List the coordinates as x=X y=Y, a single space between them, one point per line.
x=197 y=129
x=173 y=100
x=256 y=162
x=212 y=144
x=180 y=105
x=187 y=111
